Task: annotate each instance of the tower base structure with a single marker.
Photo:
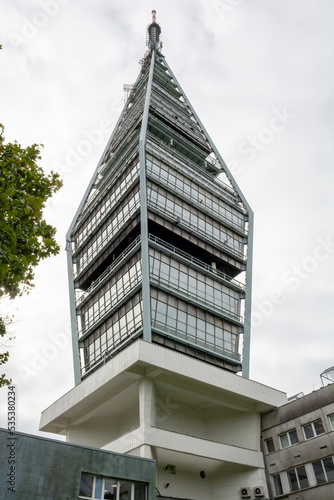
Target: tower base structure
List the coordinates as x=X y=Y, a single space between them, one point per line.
x=201 y=423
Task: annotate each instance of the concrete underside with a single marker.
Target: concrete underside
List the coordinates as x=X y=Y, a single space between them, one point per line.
x=199 y=422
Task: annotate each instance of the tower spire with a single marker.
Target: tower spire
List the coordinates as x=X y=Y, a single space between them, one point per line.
x=154 y=31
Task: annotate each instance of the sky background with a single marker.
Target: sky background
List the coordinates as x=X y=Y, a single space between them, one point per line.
x=259 y=74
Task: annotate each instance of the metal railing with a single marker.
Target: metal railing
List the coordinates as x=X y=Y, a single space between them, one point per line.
x=182 y=163
x=184 y=122
x=121 y=293
x=194 y=229
x=160 y=280
x=103 y=213
x=196 y=262
x=104 y=356
x=191 y=339
x=94 y=254
x=118 y=163
x=202 y=206
x=95 y=284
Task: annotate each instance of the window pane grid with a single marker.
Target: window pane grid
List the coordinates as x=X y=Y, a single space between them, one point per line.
x=107 y=204
x=175 y=275
x=324 y=470
x=112 y=295
x=158 y=149
x=200 y=223
x=187 y=326
x=288 y=439
x=196 y=194
x=298 y=478
x=107 y=231
x=125 y=323
x=98 y=488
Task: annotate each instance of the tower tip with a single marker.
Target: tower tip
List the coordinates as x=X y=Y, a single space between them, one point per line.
x=154 y=31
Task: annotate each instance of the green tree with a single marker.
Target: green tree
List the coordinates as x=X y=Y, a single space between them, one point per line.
x=25 y=237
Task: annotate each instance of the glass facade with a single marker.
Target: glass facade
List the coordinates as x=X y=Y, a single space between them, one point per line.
x=197 y=326
x=159 y=239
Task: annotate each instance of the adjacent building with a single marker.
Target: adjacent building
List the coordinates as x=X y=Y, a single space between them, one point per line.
x=38 y=468
x=298 y=441
x=160 y=268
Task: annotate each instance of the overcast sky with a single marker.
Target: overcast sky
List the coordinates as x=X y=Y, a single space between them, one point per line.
x=259 y=74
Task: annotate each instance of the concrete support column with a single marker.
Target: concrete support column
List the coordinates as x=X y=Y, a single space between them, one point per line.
x=146 y=415
x=145 y=451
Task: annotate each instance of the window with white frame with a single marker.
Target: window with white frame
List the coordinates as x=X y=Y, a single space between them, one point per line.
x=331 y=419
x=288 y=438
x=98 y=488
x=298 y=478
x=313 y=429
x=324 y=470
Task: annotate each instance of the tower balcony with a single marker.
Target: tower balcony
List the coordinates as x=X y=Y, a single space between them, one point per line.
x=109 y=233
x=102 y=210
x=82 y=297
x=215 y=238
x=183 y=190
x=132 y=117
x=115 y=163
x=104 y=306
x=200 y=300
x=195 y=263
x=164 y=151
x=161 y=106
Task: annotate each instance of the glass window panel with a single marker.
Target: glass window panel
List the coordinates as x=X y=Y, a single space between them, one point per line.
x=308 y=430
x=172 y=312
x=201 y=325
x=293 y=480
x=329 y=468
x=125 y=491
x=192 y=283
x=98 y=487
x=284 y=440
x=331 y=419
x=318 y=427
x=171 y=323
x=110 y=489
x=86 y=486
x=319 y=472
x=293 y=437
x=192 y=320
x=278 y=484
x=302 y=476
x=183 y=278
x=140 y=492
x=270 y=445
x=201 y=288
x=181 y=316
x=174 y=275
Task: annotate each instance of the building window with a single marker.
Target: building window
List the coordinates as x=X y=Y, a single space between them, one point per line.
x=313 y=429
x=331 y=419
x=297 y=478
x=99 y=488
x=277 y=484
x=288 y=439
x=270 y=445
x=324 y=470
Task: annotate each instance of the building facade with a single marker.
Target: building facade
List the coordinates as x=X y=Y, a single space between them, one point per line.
x=38 y=468
x=298 y=441
x=160 y=264
x=160 y=247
